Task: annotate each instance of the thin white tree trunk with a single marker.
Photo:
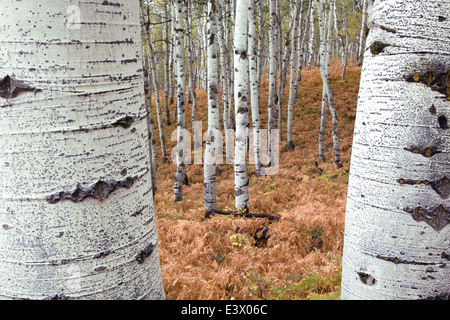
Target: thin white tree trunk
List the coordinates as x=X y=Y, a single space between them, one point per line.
x=76 y=204
x=363 y=32
x=325 y=12
x=180 y=55
x=241 y=98
x=345 y=37
x=154 y=79
x=293 y=78
x=272 y=81
x=397 y=233
x=225 y=79
x=192 y=93
x=166 y=63
x=254 y=88
x=311 y=34
x=213 y=136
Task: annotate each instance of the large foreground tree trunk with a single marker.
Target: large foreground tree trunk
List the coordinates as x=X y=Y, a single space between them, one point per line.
x=76 y=204
x=397 y=234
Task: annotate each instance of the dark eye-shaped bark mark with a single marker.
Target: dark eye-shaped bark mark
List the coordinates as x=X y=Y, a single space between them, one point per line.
x=144 y=254
x=441 y=186
x=124 y=122
x=367 y=278
x=437 y=218
x=427 y=152
x=11 y=88
x=100 y=191
x=377 y=47
x=436 y=80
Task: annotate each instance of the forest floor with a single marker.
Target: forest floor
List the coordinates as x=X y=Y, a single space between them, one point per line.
x=207 y=259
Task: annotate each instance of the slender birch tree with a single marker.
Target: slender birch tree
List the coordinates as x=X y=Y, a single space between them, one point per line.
x=254 y=88
x=241 y=104
x=325 y=12
x=76 y=203
x=180 y=56
x=213 y=136
x=363 y=32
x=166 y=63
x=225 y=74
x=273 y=70
x=397 y=233
x=153 y=80
x=293 y=78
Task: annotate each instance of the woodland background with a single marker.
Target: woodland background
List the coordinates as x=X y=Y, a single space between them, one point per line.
x=228 y=257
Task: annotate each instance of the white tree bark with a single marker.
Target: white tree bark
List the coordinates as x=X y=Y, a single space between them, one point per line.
x=254 y=88
x=154 y=80
x=225 y=75
x=293 y=78
x=311 y=34
x=397 y=233
x=180 y=57
x=166 y=63
x=76 y=205
x=214 y=136
x=363 y=31
x=241 y=105
x=273 y=70
x=325 y=11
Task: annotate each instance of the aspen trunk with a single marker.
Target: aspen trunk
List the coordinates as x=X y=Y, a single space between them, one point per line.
x=325 y=12
x=181 y=87
x=397 y=233
x=213 y=138
x=293 y=78
x=154 y=80
x=272 y=81
x=254 y=88
x=76 y=194
x=241 y=105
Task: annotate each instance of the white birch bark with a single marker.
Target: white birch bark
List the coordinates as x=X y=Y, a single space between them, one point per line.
x=254 y=88
x=325 y=11
x=241 y=105
x=272 y=80
x=166 y=64
x=397 y=233
x=311 y=34
x=345 y=38
x=191 y=59
x=213 y=134
x=363 y=31
x=225 y=79
x=293 y=78
x=153 y=80
x=180 y=56
x=76 y=204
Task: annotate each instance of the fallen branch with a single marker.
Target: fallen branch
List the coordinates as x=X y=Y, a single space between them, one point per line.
x=211 y=212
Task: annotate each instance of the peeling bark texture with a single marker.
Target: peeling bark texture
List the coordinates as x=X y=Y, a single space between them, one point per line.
x=73 y=127
x=397 y=217
x=241 y=105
